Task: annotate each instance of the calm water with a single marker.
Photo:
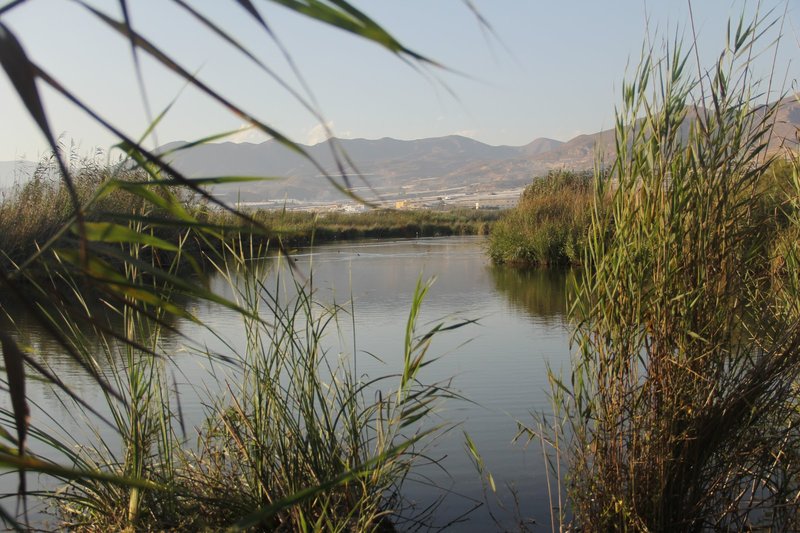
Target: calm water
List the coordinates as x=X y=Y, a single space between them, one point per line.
x=499 y=364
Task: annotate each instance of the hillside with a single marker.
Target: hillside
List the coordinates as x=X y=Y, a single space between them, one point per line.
x=397 y=169
x=393 y=169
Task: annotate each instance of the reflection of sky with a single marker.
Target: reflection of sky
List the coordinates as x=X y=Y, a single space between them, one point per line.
x=498 y=363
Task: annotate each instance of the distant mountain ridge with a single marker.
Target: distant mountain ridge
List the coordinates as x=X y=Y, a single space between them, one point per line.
x=390 y=166
x=398 y=169
x=541 y=145
x=402 y=169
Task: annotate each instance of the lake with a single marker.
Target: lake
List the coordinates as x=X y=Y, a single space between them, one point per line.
x=499 y=363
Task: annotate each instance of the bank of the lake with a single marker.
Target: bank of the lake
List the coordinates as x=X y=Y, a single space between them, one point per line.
x=35 y=212
x=550 y=225
x=303 y=228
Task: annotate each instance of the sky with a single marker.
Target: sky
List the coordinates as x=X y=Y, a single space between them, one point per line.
x=541 y=69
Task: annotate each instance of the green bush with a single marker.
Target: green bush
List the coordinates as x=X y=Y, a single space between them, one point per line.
x=549 y=225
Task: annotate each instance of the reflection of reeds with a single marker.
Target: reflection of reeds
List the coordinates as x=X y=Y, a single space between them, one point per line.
x=539 y=292
x=681 y=410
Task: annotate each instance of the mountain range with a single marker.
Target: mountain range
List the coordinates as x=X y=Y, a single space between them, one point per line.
x=399 y=169
x=390 y=168
x=396 y=169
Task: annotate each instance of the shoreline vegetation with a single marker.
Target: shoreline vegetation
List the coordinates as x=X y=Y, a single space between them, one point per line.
x=297 y=439
x=680 y=412
x=34 y=212
x=294 y=439
x=551 y=224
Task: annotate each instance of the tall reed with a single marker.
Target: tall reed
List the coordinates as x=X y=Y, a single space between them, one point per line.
x=121 y=341
x=300 y=417
x=681 y=412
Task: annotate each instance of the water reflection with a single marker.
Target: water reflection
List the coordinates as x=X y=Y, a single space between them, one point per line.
x=538 y=292
x=88 y=320
x=500 y=364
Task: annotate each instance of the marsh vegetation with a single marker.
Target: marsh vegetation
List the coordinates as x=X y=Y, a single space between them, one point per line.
x=679 y=411
x=36 y=211
x=549 y=225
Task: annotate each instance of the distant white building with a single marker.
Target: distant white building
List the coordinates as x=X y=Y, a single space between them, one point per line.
x=354 y=208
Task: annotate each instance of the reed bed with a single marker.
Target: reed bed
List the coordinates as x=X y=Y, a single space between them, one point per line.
x=294 y=439
x=39 y=212
x=549 y=225
x=127 y=239
x=304 y=228
x=681 y=411
x=298 y=441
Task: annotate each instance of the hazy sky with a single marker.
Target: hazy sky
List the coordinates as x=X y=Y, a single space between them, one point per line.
x=553 y=69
